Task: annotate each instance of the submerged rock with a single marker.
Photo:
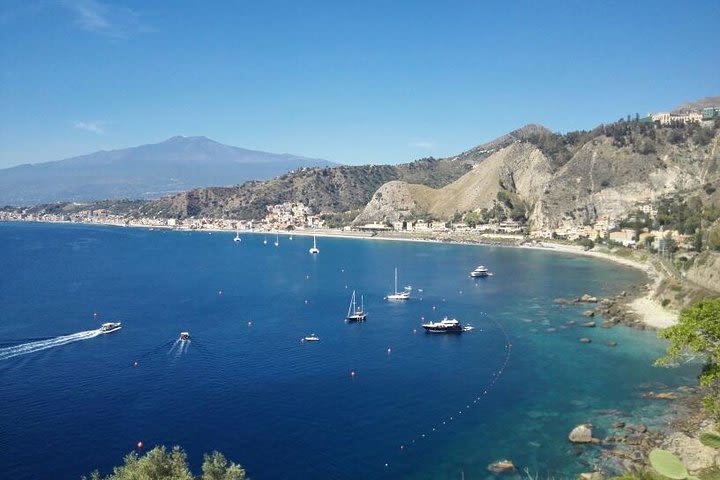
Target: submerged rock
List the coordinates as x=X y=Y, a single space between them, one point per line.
x=581 y=434
x=502 y=466
x=611 y=343
x=589 y=313
x=591 y=476
x=589 y=324
x=585 y=340
x=587 y=298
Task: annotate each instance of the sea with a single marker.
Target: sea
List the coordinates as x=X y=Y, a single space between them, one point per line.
x=378 y=399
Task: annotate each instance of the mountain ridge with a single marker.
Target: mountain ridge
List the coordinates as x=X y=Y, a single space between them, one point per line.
x=145 y=171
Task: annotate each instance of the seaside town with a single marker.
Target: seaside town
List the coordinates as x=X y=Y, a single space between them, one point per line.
x=297 y=217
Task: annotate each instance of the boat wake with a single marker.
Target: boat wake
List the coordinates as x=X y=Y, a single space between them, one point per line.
x=7 y=353
x=180 y=347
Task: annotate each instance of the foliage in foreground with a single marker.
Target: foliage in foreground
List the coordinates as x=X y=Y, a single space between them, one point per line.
x=161 y=464
x=698 y=333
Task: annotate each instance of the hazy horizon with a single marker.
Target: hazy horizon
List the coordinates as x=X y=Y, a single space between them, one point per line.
x=353 y=84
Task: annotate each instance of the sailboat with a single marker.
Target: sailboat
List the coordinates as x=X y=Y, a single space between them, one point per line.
x=314 y=248
x=356 y=314
x=237 y=236
x=404 y=295
x=277 y=240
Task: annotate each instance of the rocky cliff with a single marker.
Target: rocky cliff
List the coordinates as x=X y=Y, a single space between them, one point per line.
x=571 y=179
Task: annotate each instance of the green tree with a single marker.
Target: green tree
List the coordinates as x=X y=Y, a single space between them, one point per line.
x=161 y=464
x=216 y=467
x=698 y=333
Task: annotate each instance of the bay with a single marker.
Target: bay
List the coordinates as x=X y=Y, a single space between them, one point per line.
x=417 y=406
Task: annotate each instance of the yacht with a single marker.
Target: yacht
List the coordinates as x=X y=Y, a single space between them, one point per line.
x=237 y=236
x=184 y=336
x=356 y=314
x=480 y=271
x=311 y=338
x=314 y=248
x=110 y=327
x=404 y=295
x=277 y=240
x=445 y=325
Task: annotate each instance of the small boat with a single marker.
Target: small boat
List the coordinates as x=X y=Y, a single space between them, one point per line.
x=265 y=241
x=277 y=240
x=404 y=295
x=184 y=336
x=237 y=236
x=445 y=325
x=311 y=338
x=110 y=327
x=479 y=272
x=356 y=314
x=314 y=248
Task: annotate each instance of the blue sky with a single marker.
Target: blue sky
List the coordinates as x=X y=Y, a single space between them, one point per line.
x=350 y=81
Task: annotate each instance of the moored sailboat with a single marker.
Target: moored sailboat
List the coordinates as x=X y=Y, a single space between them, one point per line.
x=356 y=314
x=404 y=295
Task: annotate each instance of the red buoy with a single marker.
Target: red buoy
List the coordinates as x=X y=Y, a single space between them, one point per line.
x=139 y=445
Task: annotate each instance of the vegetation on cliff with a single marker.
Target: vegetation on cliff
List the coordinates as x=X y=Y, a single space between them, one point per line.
x=161 y=464
x=698 y=334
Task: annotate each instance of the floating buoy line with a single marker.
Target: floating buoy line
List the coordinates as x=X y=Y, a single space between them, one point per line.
x=474 y=401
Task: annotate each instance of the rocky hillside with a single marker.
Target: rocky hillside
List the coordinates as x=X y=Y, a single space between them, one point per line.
x=336 y=189
x=551 y=179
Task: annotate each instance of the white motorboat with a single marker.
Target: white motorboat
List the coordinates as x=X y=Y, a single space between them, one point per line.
x=314 y=248
x=446 y=325
x=311 y=338
x=404 y=295
x=110 y=327
x=356 y=314
x=237 y=236
x=479 y=272
x=184 y=336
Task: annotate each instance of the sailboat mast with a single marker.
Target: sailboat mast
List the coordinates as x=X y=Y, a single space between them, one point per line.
x=396 y=280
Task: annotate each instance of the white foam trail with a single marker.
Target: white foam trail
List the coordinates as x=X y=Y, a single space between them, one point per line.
x=32 y=347
x=173 y=346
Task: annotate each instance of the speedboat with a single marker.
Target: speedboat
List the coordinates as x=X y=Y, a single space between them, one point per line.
x=445 y=325
x=311 y=338
x=314 y=248
x=480 y=271
x=184 y=336
x=110 y=327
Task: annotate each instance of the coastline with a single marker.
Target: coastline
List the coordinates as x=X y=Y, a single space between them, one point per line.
x=646 y=308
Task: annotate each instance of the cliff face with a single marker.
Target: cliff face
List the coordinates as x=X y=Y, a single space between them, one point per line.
x=520 y=169
x=602 y=179
x=705 y=271
x=602 y=175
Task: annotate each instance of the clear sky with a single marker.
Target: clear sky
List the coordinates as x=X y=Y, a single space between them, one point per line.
x=382 y=81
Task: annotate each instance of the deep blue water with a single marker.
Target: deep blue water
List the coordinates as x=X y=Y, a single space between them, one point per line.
x=248 y=387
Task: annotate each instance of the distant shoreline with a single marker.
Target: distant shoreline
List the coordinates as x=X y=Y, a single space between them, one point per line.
x=649 y=310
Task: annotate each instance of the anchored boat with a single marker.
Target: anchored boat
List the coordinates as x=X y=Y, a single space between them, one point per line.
x=356 y=314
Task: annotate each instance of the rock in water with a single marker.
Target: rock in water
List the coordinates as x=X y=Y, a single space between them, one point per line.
x=502 y=466
x=581 y=433
x=585 y=340
x=589 y=313
x=587 y=298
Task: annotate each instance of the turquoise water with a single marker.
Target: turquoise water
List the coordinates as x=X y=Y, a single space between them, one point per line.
x=248 y=387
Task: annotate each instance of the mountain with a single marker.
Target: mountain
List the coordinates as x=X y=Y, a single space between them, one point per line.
x=147 y=171
x=698 y=104
x=552 y=180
